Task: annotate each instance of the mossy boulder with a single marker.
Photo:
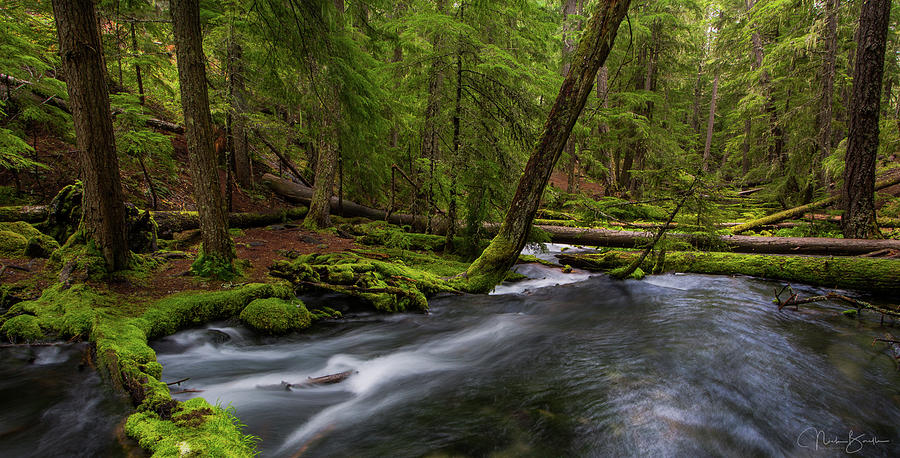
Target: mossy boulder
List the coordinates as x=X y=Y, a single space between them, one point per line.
x=276 y=316
x=18 y=238
x=22 y=328
x=12 y=244
x=41 y=246
x=64 y=213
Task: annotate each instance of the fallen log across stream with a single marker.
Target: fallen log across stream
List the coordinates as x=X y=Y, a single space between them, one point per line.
x=736 y=243
x=865 y=274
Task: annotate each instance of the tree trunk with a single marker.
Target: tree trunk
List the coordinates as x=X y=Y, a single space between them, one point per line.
x=198 y=130
x=711 y=123
x=241 y=158
x=597 y=40
x=82 y=62
x=430 y=137
x=865 y=105
x=569 y=8
x=828 y=70
x=137 y=67
x=457 y=112
x=603 y=128
x=329 y=150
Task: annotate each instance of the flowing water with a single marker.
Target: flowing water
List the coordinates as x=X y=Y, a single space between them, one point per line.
x=53 y=405
x=674 y=365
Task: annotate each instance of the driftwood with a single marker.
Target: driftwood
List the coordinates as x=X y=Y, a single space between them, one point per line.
x=323 y=380
x=798 y=211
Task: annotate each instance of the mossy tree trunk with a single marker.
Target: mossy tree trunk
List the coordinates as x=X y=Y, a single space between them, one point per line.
x=858 y=193
x=85 y=71
x=597 y=40
x=319 y=215
x=198 y=130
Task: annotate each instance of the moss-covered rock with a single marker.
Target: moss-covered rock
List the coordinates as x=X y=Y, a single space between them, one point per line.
x=41 y=246
x=22 y=328
x=12 y=244
x=275 y=316
x=388 y=286
x=64 y=213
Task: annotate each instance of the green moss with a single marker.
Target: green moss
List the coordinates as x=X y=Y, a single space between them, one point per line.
x=196 y=428
x=214 y=266
x=65 y=312
x=12 y=244
x=184 y=310
x=868 y=274
x=275 y=316
x=388 y=286
x=20 y=227
x=22 y=328
x=325 y=313
x=41 y=246
x=492 y=266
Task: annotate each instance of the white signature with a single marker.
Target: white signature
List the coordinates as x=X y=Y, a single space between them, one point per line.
x=814 y=438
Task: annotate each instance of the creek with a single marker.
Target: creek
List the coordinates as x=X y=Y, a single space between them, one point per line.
x=55 y=405
x=561 y=365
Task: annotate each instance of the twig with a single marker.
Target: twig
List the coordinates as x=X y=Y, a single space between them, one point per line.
x=187 y=391
x=178 y=382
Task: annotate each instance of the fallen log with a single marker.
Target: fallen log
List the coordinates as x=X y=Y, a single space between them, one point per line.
x=882 y=222
x=27 y=213
x=865 y=274
x=798 y=211
x=298 y=193
x=170 y=222
x=282 y=158
x=737 y=243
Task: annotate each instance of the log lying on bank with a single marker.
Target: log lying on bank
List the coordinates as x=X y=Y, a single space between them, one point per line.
x=27 y=213
x=866 y=274
x=796 y=212
x=170 y=222
x=738 y=243
x=300 y=194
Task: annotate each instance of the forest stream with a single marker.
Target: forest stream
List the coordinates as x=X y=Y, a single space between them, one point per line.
x=561 y=365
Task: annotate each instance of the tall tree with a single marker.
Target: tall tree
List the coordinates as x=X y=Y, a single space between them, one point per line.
x=858 y=193
x=598 y=38
x=329 y=148
x=82 y=61
x=828 y=71
x=570 y=7
x=217 y=243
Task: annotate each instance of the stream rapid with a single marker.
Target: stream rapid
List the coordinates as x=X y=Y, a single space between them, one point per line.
x=561 y=365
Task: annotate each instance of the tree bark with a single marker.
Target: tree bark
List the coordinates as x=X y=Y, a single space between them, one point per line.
x=430 y=137
x=596 y=42
x=82 y=62
x=858 y=192
x=711 y=123
x=198 y=129
x=603 y=128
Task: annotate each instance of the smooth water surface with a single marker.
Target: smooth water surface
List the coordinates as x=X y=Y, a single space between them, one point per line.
x=674 y=365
